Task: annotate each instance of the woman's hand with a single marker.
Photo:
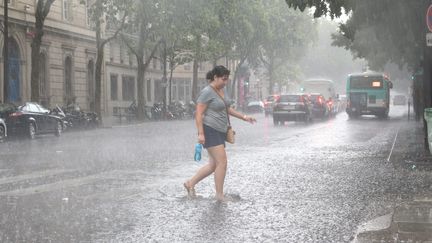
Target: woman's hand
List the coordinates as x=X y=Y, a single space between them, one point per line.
x=249 y=119
x=201 y=138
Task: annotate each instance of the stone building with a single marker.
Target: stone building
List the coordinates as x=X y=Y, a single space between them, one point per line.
x=68 y=57
x=67 y=54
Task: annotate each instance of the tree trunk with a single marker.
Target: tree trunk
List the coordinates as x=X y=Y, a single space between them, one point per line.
x=270 y=74
x=140 y=87
x=195 y=68
x=195 y=80
x=35 y=55
x=98 y=82
x=42 y=10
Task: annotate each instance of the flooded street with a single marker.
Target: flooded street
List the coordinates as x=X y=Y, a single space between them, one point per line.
x=293 y=183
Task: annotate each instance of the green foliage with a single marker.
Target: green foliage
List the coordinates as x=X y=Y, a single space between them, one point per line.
x=379 y=31
x=333 y=8
x=288 y=36
x=385 y=31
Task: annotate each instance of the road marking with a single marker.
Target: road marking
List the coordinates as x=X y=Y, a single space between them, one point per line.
x=394 y=142
x=34 y=175
x=59 y=185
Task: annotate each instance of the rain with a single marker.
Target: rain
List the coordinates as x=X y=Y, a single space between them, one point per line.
x=99 y=120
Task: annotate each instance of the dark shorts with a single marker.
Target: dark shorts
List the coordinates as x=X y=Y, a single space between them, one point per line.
x=213 y=137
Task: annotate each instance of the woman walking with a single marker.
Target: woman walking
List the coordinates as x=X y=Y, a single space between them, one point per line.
x=212 y=123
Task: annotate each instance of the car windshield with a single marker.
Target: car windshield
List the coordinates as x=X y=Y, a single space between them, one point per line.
x=290 y=98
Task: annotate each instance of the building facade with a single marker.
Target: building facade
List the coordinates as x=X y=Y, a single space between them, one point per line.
x=67 y=63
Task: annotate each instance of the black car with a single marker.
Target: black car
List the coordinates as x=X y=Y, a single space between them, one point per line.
x=292 y=107
x=30 y=119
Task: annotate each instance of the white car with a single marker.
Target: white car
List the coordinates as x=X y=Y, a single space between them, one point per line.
x=3 y=130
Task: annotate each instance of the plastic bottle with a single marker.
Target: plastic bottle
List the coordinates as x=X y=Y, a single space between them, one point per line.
x=198 y=148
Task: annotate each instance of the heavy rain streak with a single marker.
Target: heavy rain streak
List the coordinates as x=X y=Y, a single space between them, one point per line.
x=115 y=117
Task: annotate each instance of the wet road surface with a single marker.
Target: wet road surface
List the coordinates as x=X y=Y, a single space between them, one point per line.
x=292 y=183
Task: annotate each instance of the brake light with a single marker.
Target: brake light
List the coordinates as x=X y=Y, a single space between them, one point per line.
x=330 y=103
x=16 y=114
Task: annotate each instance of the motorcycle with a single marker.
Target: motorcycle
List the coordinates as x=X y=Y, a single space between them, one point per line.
x=79 y=119
x=57 y=111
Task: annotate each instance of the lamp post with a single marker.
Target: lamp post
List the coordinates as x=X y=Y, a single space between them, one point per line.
x=5 y=53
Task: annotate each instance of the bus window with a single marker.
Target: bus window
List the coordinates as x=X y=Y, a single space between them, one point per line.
x=366 y=83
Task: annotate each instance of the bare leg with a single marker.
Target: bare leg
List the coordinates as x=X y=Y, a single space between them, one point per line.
x=219 y=155
x=202 y=173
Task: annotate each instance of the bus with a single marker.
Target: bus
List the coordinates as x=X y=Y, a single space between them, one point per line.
x=368 y=94
x=324 y=87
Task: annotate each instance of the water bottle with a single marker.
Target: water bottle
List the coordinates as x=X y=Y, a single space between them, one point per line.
x=198 y=148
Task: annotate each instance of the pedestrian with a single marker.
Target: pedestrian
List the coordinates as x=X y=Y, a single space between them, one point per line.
x=211 y=120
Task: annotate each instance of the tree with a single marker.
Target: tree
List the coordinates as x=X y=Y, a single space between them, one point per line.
x=243 y=30
x=143 y=35
x=290 y=32
x=107 y=24
x=200 y=18
x=42 y=9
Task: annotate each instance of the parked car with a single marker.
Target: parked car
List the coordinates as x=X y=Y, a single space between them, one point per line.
x=292 y=107
x=268 y=104
x=399 y=100
x=255 y=106
x=3 y=130
x=30 y=120
x=320 y=107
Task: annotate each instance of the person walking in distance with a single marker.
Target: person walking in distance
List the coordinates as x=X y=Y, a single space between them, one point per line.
x=211 y=120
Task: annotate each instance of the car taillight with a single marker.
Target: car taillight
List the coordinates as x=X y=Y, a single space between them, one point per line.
x=330 y=103
x=16 y=114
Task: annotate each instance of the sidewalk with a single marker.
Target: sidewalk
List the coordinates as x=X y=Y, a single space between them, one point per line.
x=111 y=122
x=411 y=221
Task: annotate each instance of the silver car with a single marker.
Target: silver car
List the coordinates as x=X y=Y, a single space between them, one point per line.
x=3 y=130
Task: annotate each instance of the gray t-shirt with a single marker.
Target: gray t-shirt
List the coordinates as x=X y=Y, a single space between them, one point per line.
x=215 y=116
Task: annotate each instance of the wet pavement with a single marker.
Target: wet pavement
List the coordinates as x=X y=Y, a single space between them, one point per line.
x=294 y=183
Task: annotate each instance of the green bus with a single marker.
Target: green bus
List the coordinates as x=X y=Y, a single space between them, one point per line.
x=368 y=94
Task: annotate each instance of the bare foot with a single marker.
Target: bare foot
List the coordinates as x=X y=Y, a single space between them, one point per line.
x=190 y=190
x=220 y=198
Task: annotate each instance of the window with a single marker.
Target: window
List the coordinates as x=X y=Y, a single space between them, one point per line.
x=122 y=53
x=68 y=79
x=187 y=66
x=42 y=76
x=111 y=51
x=128 y=88
x=89 y=22
x=154 y=63
x=366 y=83
x=148 y=89
x=67 y=10
x=114 y=87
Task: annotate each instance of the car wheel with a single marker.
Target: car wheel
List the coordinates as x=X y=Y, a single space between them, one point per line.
x=59 y=129
x=2 y=134
x=31 y=132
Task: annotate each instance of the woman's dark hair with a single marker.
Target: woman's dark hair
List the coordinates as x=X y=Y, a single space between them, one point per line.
x=219 y=71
